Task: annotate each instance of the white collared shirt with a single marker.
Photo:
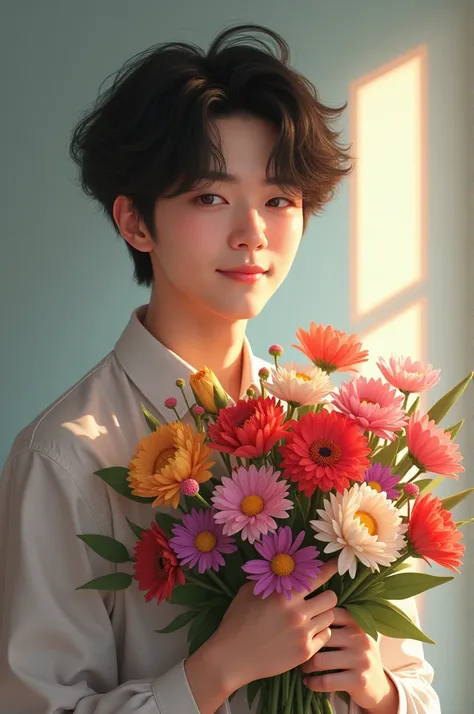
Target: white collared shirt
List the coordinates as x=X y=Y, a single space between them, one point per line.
x=92 y=652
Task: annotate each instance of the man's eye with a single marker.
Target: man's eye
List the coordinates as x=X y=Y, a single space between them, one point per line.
x=207 y=199
x=272 y=202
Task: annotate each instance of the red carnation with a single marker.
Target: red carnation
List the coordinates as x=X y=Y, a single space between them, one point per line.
x=250 y=429
x=156 y=566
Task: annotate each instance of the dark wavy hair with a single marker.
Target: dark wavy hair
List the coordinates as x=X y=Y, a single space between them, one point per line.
x=151 y=133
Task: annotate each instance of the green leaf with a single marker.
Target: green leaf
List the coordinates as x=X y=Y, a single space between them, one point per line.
x=252 y=690
x=199 y=623
x=387 y=454
x=460 y=524
x=178 y=622
x=232 y=573
x=204 y=635
x=364 y=619
x=194 y=596
x=153 y=423
x=392 y=622
x=113 y=581
x=137 y=530
x=443 y=406
x=108 y=548
x=166 y=522
x=454 y=429
x=451 y=501
x=116 y=478
x=404 y=585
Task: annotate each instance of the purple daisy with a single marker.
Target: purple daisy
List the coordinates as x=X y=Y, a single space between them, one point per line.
x=381 y=478
x=284 y=568
x=250 y=501
x=199 y=540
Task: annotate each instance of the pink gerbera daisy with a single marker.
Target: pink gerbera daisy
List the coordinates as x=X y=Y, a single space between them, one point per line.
x=250 y=501
x=431 y=448
x=381 y=479
x=250 y=429
x=199 y=540
x=408 y=375
x=374 y=405
x=284 y=568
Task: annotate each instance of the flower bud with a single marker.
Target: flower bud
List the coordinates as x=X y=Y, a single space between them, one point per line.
x=208 y=391
x=264 y=374
x=170 y=403
x=411 y=490
x=180 y=383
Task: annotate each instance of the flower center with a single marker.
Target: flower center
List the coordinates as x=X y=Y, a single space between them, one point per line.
x=205 y=542
x=252 y=505
x=302 y=377
x=282 y=564
x=324 y=452
x=375 y=485
x=367 y=521
x=163 y=458
x=368 y=401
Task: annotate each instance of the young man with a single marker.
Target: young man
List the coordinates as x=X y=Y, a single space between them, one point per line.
x=208 y=166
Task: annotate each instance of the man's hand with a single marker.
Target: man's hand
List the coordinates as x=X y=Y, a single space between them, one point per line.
x=362 y=675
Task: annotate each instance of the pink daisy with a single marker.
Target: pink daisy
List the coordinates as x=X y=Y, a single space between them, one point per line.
x=431 y=448
x=284 y=568
x=250 y=501
x=374 y=406
x=200 y=541
x=381 y=479
x=408 y=375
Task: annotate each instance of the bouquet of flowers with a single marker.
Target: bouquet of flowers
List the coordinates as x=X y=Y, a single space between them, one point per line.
x=314 y=473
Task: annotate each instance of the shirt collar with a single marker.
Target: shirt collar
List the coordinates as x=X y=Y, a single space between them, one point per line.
x=154 y=368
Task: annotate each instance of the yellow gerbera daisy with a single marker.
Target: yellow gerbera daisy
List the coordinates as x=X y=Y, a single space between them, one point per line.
x=166 y=458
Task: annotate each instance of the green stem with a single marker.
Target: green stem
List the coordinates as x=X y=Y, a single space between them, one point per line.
x=201 y=584
x=285 y=686
x=386 y=572
x=202 y=500
x=225 y=588
x=275 y=695
x=299 y=693
x=289 y=702
x=353 y=586
x=308 y=702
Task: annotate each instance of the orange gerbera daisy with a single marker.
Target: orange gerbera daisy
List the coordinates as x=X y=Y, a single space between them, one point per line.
x=165 y=459
x=325 y=450
x=330 y=349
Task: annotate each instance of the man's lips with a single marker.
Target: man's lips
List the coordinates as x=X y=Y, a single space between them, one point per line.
x=245 y=273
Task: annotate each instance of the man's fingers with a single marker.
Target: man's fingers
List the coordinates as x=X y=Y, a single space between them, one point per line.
x=327 y=571
x=342 y=617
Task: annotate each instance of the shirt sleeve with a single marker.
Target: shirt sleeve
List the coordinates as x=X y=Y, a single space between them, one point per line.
x=405 y=664
x=57 y=651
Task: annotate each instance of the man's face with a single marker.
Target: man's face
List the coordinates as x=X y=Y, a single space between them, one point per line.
x=209 y=241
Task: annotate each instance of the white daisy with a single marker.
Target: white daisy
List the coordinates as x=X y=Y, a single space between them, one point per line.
x=299 y=386
x=363 y=525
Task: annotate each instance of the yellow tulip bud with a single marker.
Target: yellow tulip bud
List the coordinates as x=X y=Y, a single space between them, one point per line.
x=208 y=391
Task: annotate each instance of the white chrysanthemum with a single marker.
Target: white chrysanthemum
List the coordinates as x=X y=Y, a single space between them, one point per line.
x=299 y=386
x=363 y=525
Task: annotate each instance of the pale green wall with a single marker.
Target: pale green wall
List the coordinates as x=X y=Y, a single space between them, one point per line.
x=65 y=282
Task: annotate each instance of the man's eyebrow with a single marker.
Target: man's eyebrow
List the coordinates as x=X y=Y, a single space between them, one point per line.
x=225 y=177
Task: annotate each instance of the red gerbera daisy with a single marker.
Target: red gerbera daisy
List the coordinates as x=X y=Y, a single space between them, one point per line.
x=250 y=429
x=331 y=349
x=434 y=534
x=156 y=566
x=325 y=450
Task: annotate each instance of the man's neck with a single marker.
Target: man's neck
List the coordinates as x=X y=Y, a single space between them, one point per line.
x=200 y=339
